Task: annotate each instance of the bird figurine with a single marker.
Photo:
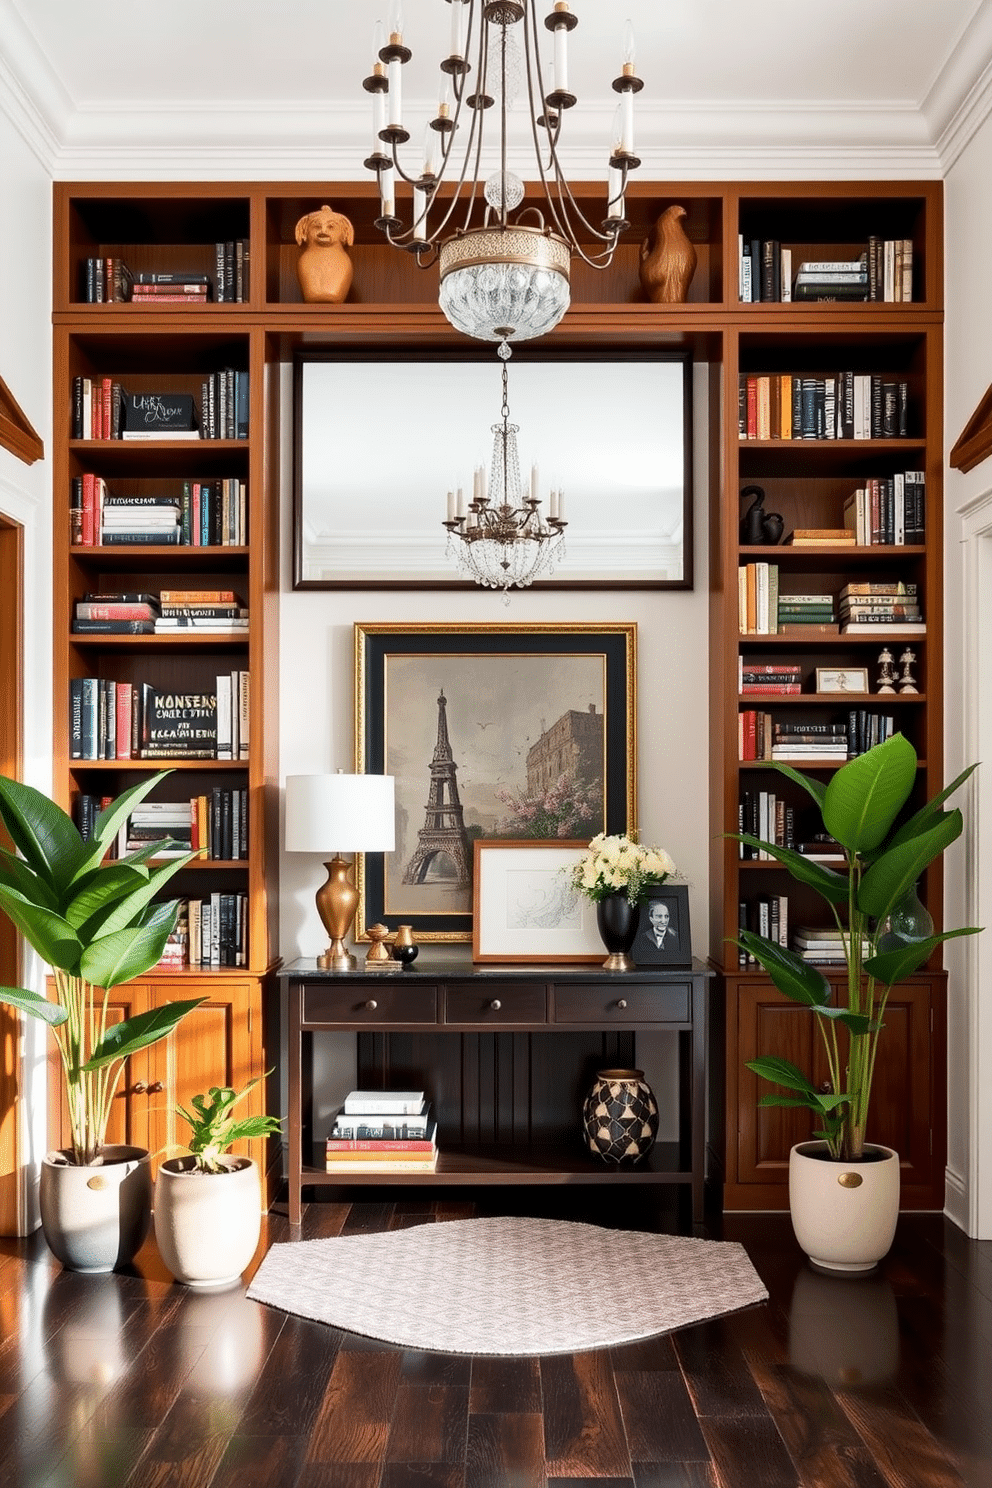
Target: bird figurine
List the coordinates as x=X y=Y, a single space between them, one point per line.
x=668 y=260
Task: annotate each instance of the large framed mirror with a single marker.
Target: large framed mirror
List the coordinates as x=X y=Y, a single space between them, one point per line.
x=381 y=439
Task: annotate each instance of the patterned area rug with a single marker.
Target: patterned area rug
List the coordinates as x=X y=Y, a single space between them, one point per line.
x=507 y=1285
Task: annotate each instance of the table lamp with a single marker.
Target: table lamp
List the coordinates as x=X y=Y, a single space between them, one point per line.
x=339 y=813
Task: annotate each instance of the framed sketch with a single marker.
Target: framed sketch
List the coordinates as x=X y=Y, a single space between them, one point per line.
x=368 y=510
x=496 y=732
x=524 y=907
x=842 y=679
x=663 y=934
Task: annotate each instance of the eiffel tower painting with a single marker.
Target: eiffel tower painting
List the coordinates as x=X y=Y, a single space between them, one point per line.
x=443 y=834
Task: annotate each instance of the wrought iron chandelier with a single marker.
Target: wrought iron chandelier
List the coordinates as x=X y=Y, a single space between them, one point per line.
x=502 y=539
x=500 y=279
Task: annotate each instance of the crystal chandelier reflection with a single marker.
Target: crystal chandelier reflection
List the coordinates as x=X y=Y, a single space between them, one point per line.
x=500 y=538
x=500 y=279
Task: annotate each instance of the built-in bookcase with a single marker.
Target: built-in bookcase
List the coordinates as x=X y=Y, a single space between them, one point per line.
x=175 y=228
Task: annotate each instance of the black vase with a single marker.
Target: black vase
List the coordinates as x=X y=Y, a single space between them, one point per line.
x=620 y=1117
x=616 y=919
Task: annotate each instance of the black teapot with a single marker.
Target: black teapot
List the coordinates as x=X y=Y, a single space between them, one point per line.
x=758 y=527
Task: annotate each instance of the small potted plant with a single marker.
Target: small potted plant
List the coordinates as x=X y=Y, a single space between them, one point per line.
x=617 y=874
x=208 y=1204
x=843 y=1190
x=96 y=922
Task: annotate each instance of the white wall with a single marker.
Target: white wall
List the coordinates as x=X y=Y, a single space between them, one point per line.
x=316 y=677
x=968 y=660
x=25 y=498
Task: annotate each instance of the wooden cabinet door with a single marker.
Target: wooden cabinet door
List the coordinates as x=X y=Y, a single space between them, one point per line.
x=129 y=1111
x=907 y=1095
x=215 y=1044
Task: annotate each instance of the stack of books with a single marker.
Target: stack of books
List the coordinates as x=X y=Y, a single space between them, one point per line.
x=832 y=279
x=806 y=614
x=155 y=821
x=807 y=743
x=170 y=289
x=821 y=537
x=879 y=607
x=223 y=616
x=785 y=677
x=383 y=1131
x=824 y=947
x=115 y=614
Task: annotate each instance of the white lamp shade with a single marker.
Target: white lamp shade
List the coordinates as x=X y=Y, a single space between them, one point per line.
x=340 y=813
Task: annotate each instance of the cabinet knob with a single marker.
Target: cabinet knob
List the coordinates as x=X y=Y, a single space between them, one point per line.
x=139 y=1087
x=495 y=1004
x=371 y=1005
x=621 y=1003
x=155 y=1087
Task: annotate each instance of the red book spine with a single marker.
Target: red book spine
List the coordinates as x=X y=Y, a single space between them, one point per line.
x=386 y=1144
x=89 y=499
x=752 y=408
x=106 y=405
x=123 y=720
x=777 y=688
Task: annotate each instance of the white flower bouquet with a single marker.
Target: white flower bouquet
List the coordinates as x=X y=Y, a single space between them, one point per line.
x=618 y=864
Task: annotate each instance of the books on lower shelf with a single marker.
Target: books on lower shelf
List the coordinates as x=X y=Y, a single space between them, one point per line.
x=209 y=513
x=214 y=823
x=211 y=933
x=888 y=511
x=778 y=678
x=836 y=405
x=863 y=607
x=101 y=408
x=767 y=915
x=825 y=947
x=399 y=1135
x=134 y=720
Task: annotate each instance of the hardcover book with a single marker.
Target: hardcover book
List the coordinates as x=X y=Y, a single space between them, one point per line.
x=183 y=724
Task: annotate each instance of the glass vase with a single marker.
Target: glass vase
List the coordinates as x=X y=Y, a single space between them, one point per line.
x=909 y=922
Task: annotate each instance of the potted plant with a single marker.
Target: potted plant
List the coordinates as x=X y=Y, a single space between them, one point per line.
x=208 y=1205
x=617 y=873
x=844 y=1191
x=95 y=921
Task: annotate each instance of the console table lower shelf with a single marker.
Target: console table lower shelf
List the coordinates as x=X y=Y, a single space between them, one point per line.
x=506 y=1055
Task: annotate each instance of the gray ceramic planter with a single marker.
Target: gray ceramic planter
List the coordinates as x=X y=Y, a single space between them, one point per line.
x=96 y=1218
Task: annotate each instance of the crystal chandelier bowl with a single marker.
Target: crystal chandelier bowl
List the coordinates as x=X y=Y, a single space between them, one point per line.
x=501 y=284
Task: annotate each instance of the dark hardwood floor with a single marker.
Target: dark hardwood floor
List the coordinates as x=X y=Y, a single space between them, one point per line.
x=130 y=1379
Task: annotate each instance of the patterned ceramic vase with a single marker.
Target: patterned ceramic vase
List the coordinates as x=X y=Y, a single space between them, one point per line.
x=620 y=1116
x=616 y=920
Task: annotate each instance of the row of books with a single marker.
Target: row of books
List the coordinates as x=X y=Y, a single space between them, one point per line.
x=110 y=720
x=107 y=279
x=841 y=405
x=763 y=736
x=383 y=1131
x=766 y=915
x=211 y=932
x=200 y=514
x=148 y=614
x=215 y=824
x=101 y=409
x=764 y=814
x=883 y=272
x=764 y=609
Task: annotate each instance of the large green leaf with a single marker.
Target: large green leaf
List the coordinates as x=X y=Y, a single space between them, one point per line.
x=782 y=1072
x=101 y=891
x=928 y=814
x=125 y=912
x=826 y=881
x=895 y=871
x=125 y=1039
x=113 y=817
x=15 y=872
x=52 y=1013
x=50 y=935
x=129 y=953
x=890 y=967
x=816 y=788
x=793 y=976
x=866 y=795
x=41 y=830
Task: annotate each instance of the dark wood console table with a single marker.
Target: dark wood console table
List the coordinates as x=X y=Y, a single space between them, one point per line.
x=506 y=1054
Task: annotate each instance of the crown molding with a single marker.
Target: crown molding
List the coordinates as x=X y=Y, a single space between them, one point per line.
x=960 y=98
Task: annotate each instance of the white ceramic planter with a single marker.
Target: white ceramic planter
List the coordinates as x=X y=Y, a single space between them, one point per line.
x=207 y=1224
x=844 y=1213
x=96 y=1218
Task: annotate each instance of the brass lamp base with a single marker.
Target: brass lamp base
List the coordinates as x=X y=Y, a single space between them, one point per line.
x=337 y=901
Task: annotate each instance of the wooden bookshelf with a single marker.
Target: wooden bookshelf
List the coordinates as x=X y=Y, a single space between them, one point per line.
x=168 y=227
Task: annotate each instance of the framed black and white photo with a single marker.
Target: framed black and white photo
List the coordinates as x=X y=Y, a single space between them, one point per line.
x=494 y=731
x=663 y=936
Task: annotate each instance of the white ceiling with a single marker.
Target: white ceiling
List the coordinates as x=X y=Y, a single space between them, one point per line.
x=196 y=83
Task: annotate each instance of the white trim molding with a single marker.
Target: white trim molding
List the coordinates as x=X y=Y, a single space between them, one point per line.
x=973 y=953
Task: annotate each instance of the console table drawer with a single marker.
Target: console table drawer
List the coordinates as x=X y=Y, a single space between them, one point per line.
x=375 y=1005
x=668 y=1002
x=493 y=1005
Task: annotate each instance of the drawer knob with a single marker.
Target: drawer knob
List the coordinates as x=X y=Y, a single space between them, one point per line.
x=371 y=1005
x=495 y=1004
x=139 y=1087
x=622 y=1003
